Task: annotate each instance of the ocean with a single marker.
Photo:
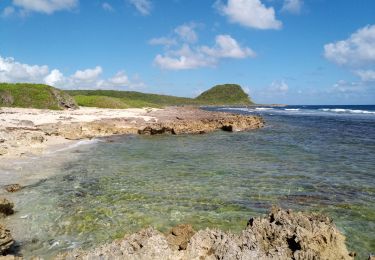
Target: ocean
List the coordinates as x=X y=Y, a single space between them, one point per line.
x=311 y=158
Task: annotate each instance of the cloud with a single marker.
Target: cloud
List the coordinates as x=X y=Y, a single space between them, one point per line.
x=249 y=13
x=8 y=11
x=142 y=6
x=163 y=41
x=357 y=53
x=292 y=6
x=88 y=75
x=203 y=56
x=227 y=47
x=45 y=6
x=366 y=75
x=54 y=78
x=13 y=71
x=186 y=33
x=357 y=50
x=343 y=86
x=107 y=7
x=279 y=87
x=184 y=58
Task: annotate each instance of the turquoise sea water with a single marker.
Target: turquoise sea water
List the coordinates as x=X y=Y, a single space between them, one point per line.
x=306 y=158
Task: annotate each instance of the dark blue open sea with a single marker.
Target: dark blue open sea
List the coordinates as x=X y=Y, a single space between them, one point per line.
x=312 y=158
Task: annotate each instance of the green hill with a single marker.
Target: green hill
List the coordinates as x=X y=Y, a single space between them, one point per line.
x=34 y=96
x=46 y=97
x=227 y=94
x=120 y=99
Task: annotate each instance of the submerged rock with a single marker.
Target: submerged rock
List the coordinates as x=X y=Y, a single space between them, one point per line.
x=6 y=207
x=6 y=240
x=13 y=187
x=283 y=234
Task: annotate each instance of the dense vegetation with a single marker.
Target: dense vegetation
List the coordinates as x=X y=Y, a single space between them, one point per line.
x=227 y=94
x=128 y=98
x=34 y=96
x=43 y=96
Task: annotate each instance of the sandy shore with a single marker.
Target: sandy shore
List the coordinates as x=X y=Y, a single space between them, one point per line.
x=21 y=130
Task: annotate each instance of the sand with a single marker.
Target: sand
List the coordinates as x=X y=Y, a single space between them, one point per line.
x=20 y=133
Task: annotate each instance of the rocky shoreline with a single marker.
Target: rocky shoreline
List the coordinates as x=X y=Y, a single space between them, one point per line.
x=40 y=129
x=283 y=234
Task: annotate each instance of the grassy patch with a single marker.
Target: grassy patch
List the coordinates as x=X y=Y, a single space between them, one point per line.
x=227 y=94
x=31 y=96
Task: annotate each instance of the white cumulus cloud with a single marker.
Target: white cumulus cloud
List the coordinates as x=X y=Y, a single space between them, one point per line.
x=187 y=54
x=54 y=78
x=250 y=13
x=292 y=6
x=45 y=6
x=142 y=6
x=227 y=47
x=184 y=58
x=12 y=71
x=203 y=56
x=88 y=75
x=357 y=50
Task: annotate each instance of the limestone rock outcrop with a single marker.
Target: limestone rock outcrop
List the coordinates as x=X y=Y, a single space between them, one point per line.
x=6 y=207
x=283 y=234
x=6 y=240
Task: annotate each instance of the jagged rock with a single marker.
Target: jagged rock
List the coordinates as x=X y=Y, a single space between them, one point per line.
x=64 y=101
x=6 y=207
x=6 y=240
x=179 y=236
x=280 y=235
x=3 y=150
x=232 y=123
x=6 y=98
x=12 y=187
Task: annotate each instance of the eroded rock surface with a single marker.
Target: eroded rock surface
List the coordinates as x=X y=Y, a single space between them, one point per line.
x=6 y=207
x=196 y=121
x=6 y=240
x=12 y=187
x=282 y=234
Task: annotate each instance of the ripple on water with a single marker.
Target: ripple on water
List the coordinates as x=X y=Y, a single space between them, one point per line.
x=106 y=190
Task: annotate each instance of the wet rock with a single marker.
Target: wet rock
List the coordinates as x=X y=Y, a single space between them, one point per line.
x=283 y=234
x=13 y=187
x=6 y=207
x=6 y=240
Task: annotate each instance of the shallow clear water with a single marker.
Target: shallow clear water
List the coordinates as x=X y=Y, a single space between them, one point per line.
x=306 y=159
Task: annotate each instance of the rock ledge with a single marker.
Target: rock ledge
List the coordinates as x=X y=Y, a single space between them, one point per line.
x=283 y=234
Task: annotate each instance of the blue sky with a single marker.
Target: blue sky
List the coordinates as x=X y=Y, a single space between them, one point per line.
x=280 y=51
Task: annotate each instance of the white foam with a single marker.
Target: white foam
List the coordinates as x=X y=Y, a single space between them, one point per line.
x=263 y=108
x=292 y=109
x=350 y=111
x=79 y=143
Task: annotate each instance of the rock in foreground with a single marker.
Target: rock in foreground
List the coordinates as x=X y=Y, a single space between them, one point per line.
x=283 y=234
x=6 y=240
